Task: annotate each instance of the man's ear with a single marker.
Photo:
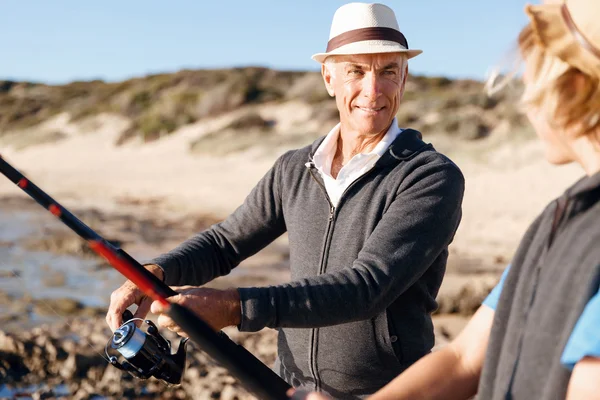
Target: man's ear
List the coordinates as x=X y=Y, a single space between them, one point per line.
x=327 y=78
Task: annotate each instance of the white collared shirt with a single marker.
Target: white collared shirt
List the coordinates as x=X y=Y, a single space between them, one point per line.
x=355 y=168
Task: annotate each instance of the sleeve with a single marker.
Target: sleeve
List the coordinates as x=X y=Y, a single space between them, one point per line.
x=492 y=299
x=216 y=251
x=418 y=225
x=585 y=338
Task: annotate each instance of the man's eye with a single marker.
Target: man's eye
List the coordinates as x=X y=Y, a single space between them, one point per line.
x=389 y=73
x=355 y=72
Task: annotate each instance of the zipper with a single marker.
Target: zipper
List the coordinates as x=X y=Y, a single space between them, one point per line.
x=313 y=345
x=310 y=165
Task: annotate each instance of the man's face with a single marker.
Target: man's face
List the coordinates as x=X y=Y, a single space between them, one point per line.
x=367 y=89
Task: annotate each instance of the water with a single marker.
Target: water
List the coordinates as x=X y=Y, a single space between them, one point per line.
x=6 y=392
x=25 y=275
x=30 y=273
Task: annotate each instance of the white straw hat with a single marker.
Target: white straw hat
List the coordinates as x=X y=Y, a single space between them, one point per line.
x=361 y=28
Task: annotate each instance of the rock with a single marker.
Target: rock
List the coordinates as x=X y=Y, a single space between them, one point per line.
x=9 y=344
x=229 y=393
x=13 y=273
x=44 y=394
x=54 y=279
x=466 y=297
x=69 y=367
x=64 y=242
x=62 y=306
x=69 y=354
x=5 y=298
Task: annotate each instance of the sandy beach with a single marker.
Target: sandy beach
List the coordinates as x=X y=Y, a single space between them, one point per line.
x=153 y=196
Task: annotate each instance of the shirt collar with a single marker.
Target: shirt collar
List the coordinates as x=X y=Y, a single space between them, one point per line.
x=387 y=140
x=583 y=185
x=326 y=150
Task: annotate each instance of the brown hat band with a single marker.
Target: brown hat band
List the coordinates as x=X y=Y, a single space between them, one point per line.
x=583 y=41
x=359 y=35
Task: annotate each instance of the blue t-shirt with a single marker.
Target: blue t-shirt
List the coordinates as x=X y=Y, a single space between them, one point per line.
x=585 y=338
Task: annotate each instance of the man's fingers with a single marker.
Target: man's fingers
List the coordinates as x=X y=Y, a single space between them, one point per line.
x=156 y=308
x=178 y=331
x=142 y=310
x=181 y=289
x=116 y=308
x=167 y=322
x=120 y=299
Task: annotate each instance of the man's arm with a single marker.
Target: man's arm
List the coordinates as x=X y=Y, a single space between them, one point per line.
x=216 y=251
x=585 y=380
x=450 y=373
x=417 y=226
x=213 y=253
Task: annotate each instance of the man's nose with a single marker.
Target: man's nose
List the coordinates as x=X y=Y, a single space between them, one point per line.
x=371 y=86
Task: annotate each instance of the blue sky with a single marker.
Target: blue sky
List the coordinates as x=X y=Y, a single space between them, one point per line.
x=61 y=41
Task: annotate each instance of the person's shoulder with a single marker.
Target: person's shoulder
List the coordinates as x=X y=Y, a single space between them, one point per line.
x=434 y=157
x=429 y=157
x=411 y=142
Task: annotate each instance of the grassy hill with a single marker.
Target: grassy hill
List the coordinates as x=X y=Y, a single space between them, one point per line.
x=157 y=105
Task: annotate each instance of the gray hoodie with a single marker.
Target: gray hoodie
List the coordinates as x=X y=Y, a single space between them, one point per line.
x=365 y=274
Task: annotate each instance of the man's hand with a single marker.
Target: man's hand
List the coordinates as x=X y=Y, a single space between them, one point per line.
x=218 y=308
x=127 y=295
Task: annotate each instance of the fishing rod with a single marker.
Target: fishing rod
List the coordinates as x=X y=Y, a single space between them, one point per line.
x=255 y=376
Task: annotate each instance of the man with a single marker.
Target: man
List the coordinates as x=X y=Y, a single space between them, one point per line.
x=370 y=211
x=537 y=334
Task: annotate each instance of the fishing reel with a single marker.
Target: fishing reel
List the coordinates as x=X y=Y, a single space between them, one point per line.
x=146 y=353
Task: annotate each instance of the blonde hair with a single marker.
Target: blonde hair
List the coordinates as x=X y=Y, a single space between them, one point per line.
x=568 y=98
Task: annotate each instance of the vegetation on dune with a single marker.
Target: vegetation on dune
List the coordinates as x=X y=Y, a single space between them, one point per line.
x=158 y=105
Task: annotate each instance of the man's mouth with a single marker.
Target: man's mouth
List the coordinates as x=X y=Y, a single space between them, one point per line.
x=370 y=109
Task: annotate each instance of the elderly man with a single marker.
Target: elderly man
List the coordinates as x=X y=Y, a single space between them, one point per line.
x=370 y=210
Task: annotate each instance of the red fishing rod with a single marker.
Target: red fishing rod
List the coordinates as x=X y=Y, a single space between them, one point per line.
x=255 y=376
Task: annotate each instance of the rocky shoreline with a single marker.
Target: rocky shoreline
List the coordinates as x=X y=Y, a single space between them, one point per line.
x=66 y=360
x=64 y=357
